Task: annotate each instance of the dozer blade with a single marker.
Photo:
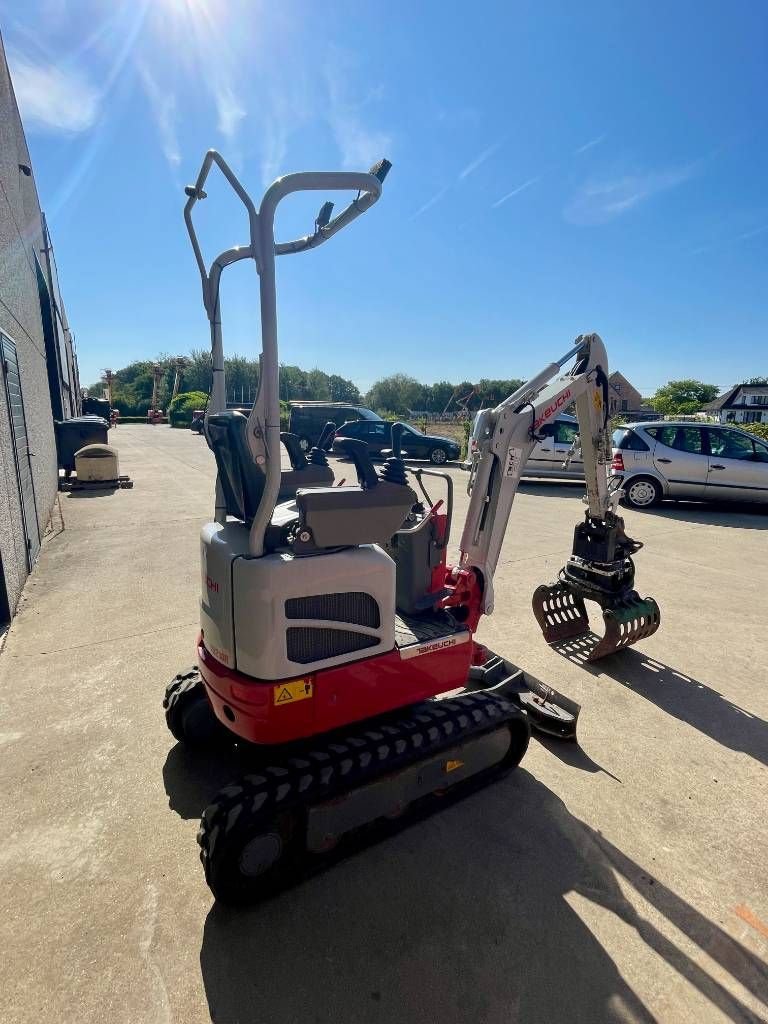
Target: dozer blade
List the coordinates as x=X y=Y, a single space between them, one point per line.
x=562 y=615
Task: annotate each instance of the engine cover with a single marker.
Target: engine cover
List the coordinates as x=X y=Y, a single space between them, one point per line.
x=280 y=615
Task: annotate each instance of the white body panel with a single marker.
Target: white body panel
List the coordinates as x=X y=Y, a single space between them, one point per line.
x=255 y=640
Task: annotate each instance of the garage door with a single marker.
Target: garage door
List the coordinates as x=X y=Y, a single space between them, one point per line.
x=21 y=452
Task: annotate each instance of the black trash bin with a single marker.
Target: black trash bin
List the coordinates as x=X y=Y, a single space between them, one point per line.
x=96 y=407
x=74 y=434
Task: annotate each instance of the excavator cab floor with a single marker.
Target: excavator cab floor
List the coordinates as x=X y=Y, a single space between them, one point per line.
x=562 y=615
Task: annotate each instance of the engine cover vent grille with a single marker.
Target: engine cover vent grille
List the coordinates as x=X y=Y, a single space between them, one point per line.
x=356 y=607
x=305 y=644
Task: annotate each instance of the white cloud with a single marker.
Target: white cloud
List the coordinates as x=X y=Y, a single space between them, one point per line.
x=229 y=108
x=590 y=144
x=598 y=202
x=360 y=145
x=515 y=191
x=51 y=98
x=479 y=160
x=163 y=103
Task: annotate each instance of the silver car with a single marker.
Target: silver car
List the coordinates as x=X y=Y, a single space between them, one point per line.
x=550 y=453
x=689 y=460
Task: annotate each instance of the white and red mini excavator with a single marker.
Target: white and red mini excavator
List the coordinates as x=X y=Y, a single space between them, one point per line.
x=337 y=646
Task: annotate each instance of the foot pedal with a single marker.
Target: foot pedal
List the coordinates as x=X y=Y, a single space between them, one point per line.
x=562 y=615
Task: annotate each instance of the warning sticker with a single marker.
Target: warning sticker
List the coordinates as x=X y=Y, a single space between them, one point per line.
x=289 y=693
x=514 y=458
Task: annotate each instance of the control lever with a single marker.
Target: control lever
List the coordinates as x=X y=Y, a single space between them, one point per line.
x=357 y=450
x=293 y=447
x=394 y=467
x=397 y=440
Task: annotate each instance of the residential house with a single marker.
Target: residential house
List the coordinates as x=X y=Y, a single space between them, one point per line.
x=623 y=398
x=744 y=403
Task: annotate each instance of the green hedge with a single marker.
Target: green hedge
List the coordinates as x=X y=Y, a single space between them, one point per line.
x=759 y=429
x=181 y=408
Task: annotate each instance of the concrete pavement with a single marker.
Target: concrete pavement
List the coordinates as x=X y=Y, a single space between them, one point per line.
x=621 y=880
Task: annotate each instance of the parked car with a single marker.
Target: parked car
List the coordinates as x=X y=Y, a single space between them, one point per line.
x=415 y=445
x=687 y=460
x=549 y=454
x=307 y=419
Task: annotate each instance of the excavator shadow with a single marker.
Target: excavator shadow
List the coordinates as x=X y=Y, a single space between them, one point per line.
x=679 y=695
x=431 y=924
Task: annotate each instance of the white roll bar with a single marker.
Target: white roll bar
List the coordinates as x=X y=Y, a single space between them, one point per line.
x=264 y=418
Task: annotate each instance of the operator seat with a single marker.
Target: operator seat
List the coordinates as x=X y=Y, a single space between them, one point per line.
x=241 y=479
x=326 y=517
x=367 y=514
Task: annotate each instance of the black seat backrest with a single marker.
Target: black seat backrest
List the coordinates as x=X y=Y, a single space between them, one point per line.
x=241 y=479
x=293 y=447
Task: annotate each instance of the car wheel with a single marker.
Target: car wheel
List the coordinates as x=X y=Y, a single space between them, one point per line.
x=438 y=456
x=642 y=492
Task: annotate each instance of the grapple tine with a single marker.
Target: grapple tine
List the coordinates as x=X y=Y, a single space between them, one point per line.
x=629 y=622
x=560 y=612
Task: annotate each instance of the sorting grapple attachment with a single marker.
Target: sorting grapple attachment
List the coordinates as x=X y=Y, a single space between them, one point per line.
x=562 y=614
x=600 y=569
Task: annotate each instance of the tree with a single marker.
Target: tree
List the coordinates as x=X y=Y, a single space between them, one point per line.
x=343 y=390
x=683 y=397
x=491 y=392
x=396 y=394
x=759 y=382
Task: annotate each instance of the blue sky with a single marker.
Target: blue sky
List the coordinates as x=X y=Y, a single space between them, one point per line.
x=558 y=168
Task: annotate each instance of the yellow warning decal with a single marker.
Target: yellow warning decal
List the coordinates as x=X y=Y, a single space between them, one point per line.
x=451 y=766
x=597 y=400
x=289 y=693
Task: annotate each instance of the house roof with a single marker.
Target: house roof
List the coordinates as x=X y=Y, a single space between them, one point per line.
x=726 y=401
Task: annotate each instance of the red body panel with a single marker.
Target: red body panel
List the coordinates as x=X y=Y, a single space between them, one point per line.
x=348 y=693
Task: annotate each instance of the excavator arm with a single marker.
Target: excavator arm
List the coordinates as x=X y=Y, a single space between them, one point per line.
x=600 y=567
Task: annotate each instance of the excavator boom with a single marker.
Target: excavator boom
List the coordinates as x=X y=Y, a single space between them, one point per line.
x=600 y=567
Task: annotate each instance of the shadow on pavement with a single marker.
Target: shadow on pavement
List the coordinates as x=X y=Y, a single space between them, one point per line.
x=679 y=695
x=93 y=492
x=461 y=917
x=561 y=488
x=733 y=514
x=192 y=779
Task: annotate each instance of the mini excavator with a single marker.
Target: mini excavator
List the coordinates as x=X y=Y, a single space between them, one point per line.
x=337 y=645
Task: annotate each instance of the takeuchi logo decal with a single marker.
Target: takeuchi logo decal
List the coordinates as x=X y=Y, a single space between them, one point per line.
x=552 y=409
x=415 y=650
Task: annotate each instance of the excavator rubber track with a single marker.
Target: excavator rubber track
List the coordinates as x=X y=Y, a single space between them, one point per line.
x=562 y=615
x=258 y=831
